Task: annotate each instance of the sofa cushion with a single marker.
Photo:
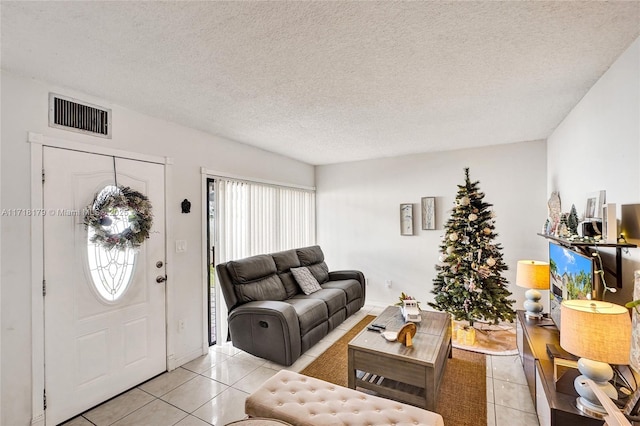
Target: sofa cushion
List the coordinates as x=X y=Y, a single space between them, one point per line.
x=286 y=260
x=311 y=312
x=290 y=285
x=269 y=288
x=313 y=257
x=320 y=271
x=306 y=280
x=335 y=299
x=310 y=255
x=252 y=268
x=351 y=287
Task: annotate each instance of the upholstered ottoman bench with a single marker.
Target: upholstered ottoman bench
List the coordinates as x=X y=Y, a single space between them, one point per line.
x=302 y=400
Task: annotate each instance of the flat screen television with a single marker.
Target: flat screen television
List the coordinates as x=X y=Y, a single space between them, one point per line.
x=571 y=277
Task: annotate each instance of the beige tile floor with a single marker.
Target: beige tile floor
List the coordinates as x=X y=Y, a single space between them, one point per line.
x=211 y=390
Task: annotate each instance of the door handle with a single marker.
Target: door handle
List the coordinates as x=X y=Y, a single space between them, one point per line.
x=161 y=278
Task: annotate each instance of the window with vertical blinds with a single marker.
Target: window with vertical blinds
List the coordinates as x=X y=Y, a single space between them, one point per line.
x=255 y=218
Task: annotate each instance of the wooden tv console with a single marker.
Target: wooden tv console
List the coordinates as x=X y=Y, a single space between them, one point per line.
x=555 y=402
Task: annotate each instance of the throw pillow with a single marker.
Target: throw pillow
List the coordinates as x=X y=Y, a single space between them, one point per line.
x=306 y=280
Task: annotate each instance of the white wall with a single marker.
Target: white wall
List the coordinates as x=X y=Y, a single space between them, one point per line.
x=24 y=109
x=597 y=147
x=358 y=213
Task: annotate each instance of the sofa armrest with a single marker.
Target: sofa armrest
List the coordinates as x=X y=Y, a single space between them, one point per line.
x=347 y=275
x=350 y=275
x=267 y=329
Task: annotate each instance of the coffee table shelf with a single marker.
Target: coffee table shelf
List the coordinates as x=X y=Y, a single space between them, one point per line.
x=414 y=395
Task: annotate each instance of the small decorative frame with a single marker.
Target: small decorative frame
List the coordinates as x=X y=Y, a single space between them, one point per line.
x=428 y=213
x=406 y=219
x=593 y=207
x=609 y=223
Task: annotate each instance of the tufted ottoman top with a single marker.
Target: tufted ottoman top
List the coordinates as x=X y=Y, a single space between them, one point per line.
x=301 y=400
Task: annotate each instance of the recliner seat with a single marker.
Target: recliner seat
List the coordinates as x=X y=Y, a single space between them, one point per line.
x=269 y=315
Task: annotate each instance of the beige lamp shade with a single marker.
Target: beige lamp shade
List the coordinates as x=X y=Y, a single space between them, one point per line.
x=532 y=274
x=597 y=330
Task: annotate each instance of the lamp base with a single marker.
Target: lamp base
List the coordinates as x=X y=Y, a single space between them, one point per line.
x=533 y=315
x=600 y=373
x=589 y=409
x=533 y=307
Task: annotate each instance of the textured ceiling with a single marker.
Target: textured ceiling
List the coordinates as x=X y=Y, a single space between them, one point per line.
x=327 y=82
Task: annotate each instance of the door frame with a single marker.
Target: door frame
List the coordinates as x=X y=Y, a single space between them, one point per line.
x=37 y=143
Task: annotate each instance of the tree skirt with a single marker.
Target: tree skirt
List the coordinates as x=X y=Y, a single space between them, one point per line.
x=489 y=339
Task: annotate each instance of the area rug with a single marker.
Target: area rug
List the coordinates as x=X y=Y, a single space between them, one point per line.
x=490 y=339
x=463 y=391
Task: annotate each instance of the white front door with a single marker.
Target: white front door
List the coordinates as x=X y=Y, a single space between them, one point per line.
x=96 y=348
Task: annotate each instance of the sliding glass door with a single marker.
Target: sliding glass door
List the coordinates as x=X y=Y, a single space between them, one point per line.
x=248 y=218
x=211 y=256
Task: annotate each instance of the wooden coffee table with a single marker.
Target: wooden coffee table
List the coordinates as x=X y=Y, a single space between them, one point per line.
x=406 y=374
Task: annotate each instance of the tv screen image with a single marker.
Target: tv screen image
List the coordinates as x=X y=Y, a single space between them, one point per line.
x=571 y=277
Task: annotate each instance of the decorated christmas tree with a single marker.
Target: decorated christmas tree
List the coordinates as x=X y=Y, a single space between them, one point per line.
x=469 y=284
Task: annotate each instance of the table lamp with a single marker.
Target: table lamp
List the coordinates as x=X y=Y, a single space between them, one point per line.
x=534 y=275
x=600 y=334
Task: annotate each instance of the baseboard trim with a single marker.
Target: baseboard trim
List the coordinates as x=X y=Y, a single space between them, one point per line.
x=38 y=420
x=173 y=363
x=375 y=304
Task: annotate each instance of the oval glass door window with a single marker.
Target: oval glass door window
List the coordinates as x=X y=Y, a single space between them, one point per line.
x=111 y=270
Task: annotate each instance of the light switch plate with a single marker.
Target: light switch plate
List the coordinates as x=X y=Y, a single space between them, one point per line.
x=181 y=246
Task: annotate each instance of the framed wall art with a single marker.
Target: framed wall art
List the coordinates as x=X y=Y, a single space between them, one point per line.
x=406 y=219
x=593 y=208
x=428 y=213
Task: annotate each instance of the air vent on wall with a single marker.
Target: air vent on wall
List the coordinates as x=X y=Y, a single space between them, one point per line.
x=70 y=114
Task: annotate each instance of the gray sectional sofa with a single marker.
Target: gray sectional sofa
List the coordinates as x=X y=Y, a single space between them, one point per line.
x=269 y=314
